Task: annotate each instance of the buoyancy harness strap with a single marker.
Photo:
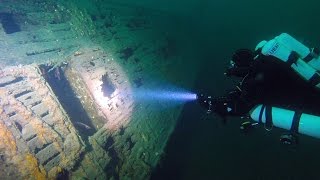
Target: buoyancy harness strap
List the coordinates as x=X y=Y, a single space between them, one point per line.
x=314 y=53
x=309 y=57
x=293 y=58
x=315 y=79
x=269 y=124
x=295 y=122
x=261 y=113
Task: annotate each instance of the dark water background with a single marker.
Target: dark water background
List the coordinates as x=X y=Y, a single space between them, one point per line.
x=206 y=149
x=214 y=29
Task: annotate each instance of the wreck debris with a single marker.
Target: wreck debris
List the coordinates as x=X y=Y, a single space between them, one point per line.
x=107 y=87
x=36 y=124
x=138 y=82
x=125 y=136
x=102 y=84
x=126 y=53
x=9 y=24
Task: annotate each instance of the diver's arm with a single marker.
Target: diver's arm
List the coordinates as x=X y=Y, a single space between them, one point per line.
x=229 y=105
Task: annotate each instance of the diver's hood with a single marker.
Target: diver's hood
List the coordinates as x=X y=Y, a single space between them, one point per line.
x=243 y=57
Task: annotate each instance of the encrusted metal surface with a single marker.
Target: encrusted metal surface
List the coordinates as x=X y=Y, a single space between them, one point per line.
x=79 y=53
x=88 y=67
x=36 y=134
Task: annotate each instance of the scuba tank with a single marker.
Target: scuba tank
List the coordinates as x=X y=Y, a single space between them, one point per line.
x=297 y=56
x=310 y=56
x=295 y=121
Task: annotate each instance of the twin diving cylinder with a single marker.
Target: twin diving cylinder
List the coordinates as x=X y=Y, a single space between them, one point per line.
x=303 y=60
x=294 y=121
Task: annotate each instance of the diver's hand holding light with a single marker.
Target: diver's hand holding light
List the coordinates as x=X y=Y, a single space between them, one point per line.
x=219 y=105
x=205 y=102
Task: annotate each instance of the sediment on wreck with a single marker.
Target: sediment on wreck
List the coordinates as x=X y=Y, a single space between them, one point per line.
x=39 y=138
x=83 y=120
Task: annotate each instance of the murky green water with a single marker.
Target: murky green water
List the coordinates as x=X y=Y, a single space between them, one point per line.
x=185 y=44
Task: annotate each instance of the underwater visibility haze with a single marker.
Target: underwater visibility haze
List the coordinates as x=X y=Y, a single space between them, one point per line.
x=109 y=89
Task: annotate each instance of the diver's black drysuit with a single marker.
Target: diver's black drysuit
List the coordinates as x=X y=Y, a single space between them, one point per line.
x=265 y=80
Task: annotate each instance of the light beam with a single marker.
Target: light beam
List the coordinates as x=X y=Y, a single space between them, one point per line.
x=173 y=95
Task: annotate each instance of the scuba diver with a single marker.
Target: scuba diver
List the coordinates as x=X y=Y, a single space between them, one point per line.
x=279 y=86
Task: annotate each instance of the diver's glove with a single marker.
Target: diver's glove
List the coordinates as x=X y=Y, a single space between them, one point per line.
x=206 y=102
x=217 y=105
x=230 y=104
